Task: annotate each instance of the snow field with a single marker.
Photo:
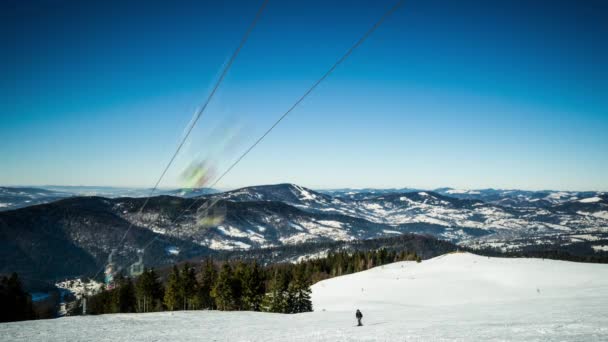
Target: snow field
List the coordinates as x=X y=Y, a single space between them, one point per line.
x=455 y=297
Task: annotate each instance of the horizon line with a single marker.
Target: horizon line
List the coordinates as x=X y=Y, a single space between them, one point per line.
x=230 y=188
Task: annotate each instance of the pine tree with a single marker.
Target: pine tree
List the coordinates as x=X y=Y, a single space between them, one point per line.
x=283 y=288
x=208 y=277
x=253 y=287
x=298 y=294
x=16 y=303
x=148 y=290
x=173 y=298
x=369 y=260
x=276 y=298
x=238 y=276
x=123 y=296
x=188 y=287
x=222 y=290
x=100 y=303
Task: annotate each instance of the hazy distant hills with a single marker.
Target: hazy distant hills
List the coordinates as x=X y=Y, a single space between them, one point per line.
x=513 y=198
x=75 y=235
x=19 y=197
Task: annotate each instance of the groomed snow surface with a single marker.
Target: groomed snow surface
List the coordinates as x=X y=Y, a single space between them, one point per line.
x=455 y=297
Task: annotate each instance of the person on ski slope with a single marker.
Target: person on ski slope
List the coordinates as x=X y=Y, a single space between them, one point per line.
x=359 y=316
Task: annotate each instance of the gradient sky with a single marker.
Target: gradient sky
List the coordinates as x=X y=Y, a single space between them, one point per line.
x=468 y=94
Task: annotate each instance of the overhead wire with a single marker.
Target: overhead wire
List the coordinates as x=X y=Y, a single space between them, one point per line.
x=197 y=116
x=360 y=41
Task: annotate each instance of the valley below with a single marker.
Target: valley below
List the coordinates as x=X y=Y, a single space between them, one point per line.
x=76 y=236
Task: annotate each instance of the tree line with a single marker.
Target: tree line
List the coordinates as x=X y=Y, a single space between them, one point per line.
x=235 y=285
x=425 y=246
x=15 y=303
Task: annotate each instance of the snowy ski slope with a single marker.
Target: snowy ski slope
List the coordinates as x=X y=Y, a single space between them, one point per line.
x=455 y=297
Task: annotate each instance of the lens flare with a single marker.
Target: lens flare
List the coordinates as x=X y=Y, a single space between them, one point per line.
x=211 y=214
x=197 y=175
x=222 y=141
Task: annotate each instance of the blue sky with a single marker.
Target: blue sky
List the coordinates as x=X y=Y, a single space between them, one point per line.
x=468 y=94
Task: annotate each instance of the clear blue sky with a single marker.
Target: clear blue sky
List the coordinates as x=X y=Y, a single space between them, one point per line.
x=468 y=94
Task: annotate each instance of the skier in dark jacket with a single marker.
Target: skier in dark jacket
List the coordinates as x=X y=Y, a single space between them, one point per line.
x=359 y=316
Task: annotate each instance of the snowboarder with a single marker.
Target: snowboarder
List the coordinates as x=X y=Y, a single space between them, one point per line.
x=359 y=316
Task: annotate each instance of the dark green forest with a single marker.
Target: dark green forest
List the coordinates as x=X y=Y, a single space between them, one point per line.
x=15 y=303
x=235 y=285
x=254 y=280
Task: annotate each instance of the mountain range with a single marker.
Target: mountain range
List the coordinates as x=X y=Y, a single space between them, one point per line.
x=77 y=235
x=12 y=197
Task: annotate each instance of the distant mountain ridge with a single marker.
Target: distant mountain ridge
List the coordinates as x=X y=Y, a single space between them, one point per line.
x=76 y=235
x=288 y=193
x=20 y=197
x=14 y=197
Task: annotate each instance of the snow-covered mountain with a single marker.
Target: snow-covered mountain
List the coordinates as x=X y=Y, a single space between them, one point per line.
x=287 y=214
x=519 y=198
x=456 y=218
x=89 y=229
x=455 y=297
x=503 y=197
x=365 y=193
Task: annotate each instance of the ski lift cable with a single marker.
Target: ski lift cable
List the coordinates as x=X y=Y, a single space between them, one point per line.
x=296 y=103
x=198 y=115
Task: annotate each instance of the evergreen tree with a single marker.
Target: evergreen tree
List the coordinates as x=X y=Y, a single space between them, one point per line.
x=252 y=287
x=188 y=287
x=222 y=290
x=148 y=290
x=123 y=296
x=298 y=294
x=275 y=300
x=173 y=298
x=100 y=303
x=283 y=288
x=238 y=276
x=15 y=303
x=207 y=281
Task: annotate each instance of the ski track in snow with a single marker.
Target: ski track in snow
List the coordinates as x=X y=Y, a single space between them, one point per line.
x=455 y=297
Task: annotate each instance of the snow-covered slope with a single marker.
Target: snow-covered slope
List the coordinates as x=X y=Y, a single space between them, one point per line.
x=455 y=215
x=456 y=297
x=462 y=279
x=287 y=193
